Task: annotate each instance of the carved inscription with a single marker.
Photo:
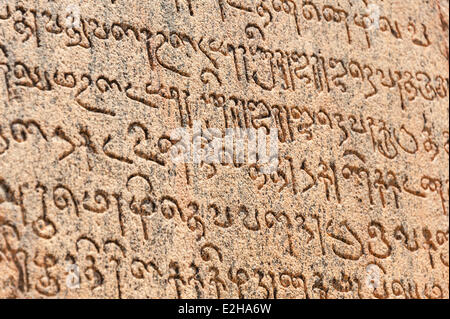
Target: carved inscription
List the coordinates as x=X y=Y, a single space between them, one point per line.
x=224 y=149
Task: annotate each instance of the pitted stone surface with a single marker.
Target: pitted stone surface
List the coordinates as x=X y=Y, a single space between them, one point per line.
x=96 y=97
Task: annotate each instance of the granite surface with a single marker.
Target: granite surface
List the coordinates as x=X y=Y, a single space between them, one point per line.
x=109 y=109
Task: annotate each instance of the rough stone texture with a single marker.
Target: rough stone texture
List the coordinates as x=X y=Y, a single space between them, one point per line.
x=92 y=204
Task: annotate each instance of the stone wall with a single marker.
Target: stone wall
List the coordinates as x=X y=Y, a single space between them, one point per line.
x=224 y=149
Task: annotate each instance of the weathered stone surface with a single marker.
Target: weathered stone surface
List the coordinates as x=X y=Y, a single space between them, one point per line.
x=354 y=204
